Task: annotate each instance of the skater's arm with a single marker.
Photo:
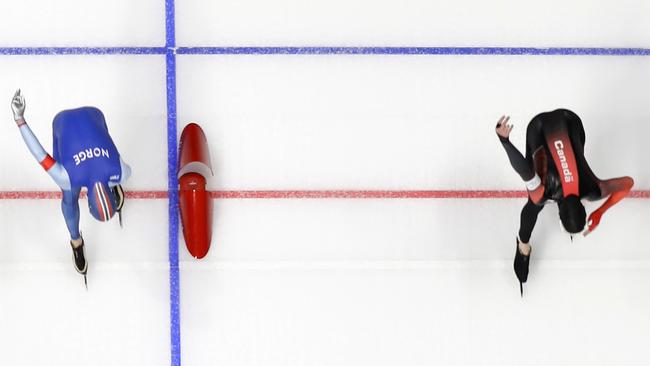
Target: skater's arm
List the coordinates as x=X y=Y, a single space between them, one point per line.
x=54 y=169
x=124 y=176
x=126 y=171
x=51 y=166
x=519 y=162
x=616 y=189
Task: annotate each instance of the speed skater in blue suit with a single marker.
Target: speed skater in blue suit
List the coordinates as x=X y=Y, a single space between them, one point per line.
x=84 y=155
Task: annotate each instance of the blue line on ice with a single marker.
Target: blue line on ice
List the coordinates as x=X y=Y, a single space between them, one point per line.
x=23 y=51
x=515 y=51
x=494 y=51
x=172 y=185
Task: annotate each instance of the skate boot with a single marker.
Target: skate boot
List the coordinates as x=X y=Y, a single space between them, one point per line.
x=119 y=198
x=79 y=256
x=521 y=266
x=80 y=264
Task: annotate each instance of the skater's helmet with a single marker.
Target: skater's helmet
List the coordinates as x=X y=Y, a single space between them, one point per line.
x=101 y=201
x=572 y=214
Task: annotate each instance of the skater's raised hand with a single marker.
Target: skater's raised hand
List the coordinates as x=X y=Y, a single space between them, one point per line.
x=18 y=106
x=503 y=128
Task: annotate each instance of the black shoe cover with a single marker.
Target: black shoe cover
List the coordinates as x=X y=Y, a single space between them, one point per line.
x=79 y=256
x=521 y=264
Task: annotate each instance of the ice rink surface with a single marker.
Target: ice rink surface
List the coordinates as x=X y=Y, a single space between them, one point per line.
x=328 y=281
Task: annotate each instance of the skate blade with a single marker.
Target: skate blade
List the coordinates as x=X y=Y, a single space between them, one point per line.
x=521 y=289
x=86 y=282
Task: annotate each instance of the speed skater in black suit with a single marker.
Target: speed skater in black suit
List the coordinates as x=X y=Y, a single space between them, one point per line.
x=555 y=169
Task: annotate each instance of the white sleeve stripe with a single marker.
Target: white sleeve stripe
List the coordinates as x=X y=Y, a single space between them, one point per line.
x=532 y=184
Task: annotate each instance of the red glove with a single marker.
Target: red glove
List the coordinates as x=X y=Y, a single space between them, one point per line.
x=593 y=221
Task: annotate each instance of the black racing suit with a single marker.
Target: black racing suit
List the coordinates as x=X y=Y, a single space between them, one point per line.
x=538 y=161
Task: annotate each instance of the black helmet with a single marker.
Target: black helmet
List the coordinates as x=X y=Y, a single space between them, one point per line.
x=572 y=214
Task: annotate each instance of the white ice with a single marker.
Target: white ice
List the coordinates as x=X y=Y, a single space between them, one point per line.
x=330 y=282
x=507 y=23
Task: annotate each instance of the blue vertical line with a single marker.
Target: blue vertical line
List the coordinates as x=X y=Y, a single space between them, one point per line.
x=170 y=24
x=172 y=185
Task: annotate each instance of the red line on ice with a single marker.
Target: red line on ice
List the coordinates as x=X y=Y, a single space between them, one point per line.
x=310 y=194
x=364 y=194
x=46 y=195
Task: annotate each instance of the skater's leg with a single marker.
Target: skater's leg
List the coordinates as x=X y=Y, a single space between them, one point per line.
x=528 y=219
x=70 y=209
x=522 y=252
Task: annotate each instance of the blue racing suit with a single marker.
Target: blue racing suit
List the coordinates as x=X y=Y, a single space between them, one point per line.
x=84 y=153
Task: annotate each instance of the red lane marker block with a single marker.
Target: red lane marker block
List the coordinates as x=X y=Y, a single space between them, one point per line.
x=194 y=203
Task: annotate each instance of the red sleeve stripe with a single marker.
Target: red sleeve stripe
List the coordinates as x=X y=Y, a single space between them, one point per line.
x=48 y=162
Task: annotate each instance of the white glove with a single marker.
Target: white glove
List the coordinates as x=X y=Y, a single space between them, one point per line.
x=18 y=106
